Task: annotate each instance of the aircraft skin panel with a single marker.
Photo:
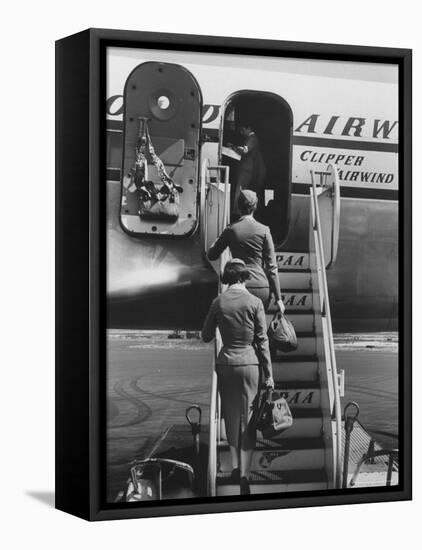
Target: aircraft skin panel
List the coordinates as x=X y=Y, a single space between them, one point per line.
x=332 y=95
x=362 y=172
x=363 y=294
x=351 y=116
x=350 y=123
x=364 y=280
x=368 y=72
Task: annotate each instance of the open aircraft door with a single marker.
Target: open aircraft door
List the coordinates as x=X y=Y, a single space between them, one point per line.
x=161 y=135
x=268 y=167
x=326 y=186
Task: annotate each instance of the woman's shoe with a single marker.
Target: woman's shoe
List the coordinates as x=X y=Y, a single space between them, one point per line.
x=235 y=476
x=244 y=486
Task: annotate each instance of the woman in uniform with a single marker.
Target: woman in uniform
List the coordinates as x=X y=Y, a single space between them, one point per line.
x=251 y=241
x=240 y=317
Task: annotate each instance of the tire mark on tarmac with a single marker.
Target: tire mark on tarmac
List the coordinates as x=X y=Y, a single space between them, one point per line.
x=387 y=434
x=376 y=393
x=143 y=410
x=135 y=387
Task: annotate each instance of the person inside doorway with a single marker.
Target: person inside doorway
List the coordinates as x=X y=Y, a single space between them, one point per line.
x=251 y=171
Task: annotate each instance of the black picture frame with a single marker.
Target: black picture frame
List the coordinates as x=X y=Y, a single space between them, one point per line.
x=80 y=270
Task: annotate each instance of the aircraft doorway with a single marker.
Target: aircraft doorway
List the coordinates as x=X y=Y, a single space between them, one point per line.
x=270 y=118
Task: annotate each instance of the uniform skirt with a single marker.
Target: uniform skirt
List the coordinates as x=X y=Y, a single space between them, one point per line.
x=238 y=387
x=261 y=292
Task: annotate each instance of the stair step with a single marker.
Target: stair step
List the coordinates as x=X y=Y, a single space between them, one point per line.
x=295 y=279
x=301 y=429
x=275 y=482
x=281 y=357
x=278 y=459
x=289 y=443
x=295 y=301
x=282 y=445
x=231 y=490
x=290 y=371
x=296 y=261
x=302 y=322
x=306 y=347
x=307 y=423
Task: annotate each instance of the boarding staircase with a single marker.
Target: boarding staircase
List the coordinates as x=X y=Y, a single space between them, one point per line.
x=307 y=456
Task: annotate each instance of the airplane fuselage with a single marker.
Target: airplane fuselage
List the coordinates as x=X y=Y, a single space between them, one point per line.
x=350 y=121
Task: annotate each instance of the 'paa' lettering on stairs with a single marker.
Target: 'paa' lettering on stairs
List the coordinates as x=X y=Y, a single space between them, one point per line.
x=267 y=458
x=291 y=259
x=296 y=300
x=302 y=397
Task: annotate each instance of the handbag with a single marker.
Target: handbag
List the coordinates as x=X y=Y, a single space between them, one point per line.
x=273 y=415
x=281 y=333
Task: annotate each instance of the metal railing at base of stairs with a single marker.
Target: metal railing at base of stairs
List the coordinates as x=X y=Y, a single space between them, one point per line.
x=368 y=457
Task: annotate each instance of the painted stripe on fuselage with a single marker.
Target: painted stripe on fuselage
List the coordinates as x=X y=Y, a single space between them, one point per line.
x=353 y=192
x=212 y=136
x=113 y=174
x=346 y=144
x=302 y=188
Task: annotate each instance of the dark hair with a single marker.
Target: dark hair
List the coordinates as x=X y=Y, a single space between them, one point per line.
x=246 y=124
x=235 y=272
x=245 y=206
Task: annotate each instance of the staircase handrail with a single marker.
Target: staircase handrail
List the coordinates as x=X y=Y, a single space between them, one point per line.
x=336 y=217
x=325 y=312
x=335 y=198
x=214 y=432
x=206 y=167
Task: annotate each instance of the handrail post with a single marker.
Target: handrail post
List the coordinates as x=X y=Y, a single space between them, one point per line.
x=391 y=453
x=370 y=452
x=349 y=421
x=390 y=469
